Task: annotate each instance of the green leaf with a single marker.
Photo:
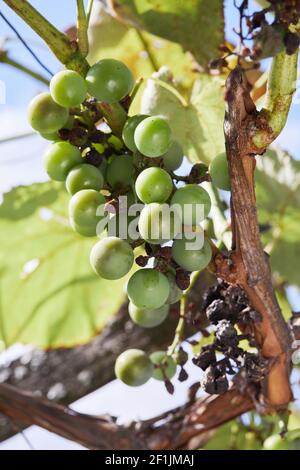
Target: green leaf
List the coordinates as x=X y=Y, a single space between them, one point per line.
x=111 y=38
x=278 y=201
x=198 y=25
x=49 y=295
x=197 y=124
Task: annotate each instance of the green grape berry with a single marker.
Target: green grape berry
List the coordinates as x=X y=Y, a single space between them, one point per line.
x=193 y=203
x=84 y=176
x=111 y=258
x=83 y=208
x=164 y=366
x=68 y=88
x=148 y=318
x=109 y=80
x=51 y=136
x=120 y=171
x=153 y=185
x=175 y=293
x=153 y=136
x=173 y=158
x=148 y=288
x=219 y=173
x=133 y=367
x=60 y=158
x=46 y=116
x=189 y=258
x=129 y=129
x=276 y=442
x=157 y=224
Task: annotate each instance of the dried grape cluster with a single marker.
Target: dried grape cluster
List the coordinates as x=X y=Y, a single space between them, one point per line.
x=227 y=309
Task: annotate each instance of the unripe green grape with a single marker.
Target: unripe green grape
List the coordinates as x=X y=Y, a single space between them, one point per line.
x=219 y=173
x=165 y=366
x=54 y=136
x=173 y=158
x=153 y=136
x=157 y=224
x=148 y=318
x=191 y=198
x=133 y=367
x=84 y=176
x=109 y=80
x=60 y=158
x=148 y=288
x=111 y=258
x=120 y=171
x=175 y=293
x=68 y=88
x=153 y=185
x=129 y=130
x=191 y=259
x=83 y=211
x=44 y=115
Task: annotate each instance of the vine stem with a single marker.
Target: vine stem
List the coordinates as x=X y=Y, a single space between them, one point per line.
x=23 y=68
x=65 y=51
x=145 y=44
x=179 y=332
x=82 y=29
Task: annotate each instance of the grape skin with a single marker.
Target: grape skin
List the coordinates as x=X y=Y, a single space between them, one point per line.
x=120 y=171
x=219 y=172
x=84 y=176
x=133 y=367
x=153 y=185
x=147 y=318
x=156 y=227
x=59 y=159
x=191 y=260
x=173 y=158
x=148 y=288
x=82 y=211
x=109 y=80
x=111 y=258
x=68 y=88
x=153 y=136
x=129 y=129
x=189 y=198
x=46 y=116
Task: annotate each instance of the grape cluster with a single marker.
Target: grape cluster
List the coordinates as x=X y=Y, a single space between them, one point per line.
x=98 y=167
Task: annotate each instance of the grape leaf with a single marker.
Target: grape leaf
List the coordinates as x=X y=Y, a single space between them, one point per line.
x=196 y=124
x=198 y=25
x=278 y=201
x=111 y=38
x=49 y=294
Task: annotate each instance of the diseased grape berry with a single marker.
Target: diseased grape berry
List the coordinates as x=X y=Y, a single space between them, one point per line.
x=109 y=80
x=59 y=159
x=119 y=173
x=46 y=116
x=173 y=157
x=68 y=88
x=157 y=224
x=193 y=203
x=153 y=136
x=111 y=258
x=83 y=209
x=129 y=130
x=153 y=185
x=189 y=258
x=84 y=176
x=148 y=318
x=148 y=288
x=164 y=366
x=219 y=173
x=133 y=367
